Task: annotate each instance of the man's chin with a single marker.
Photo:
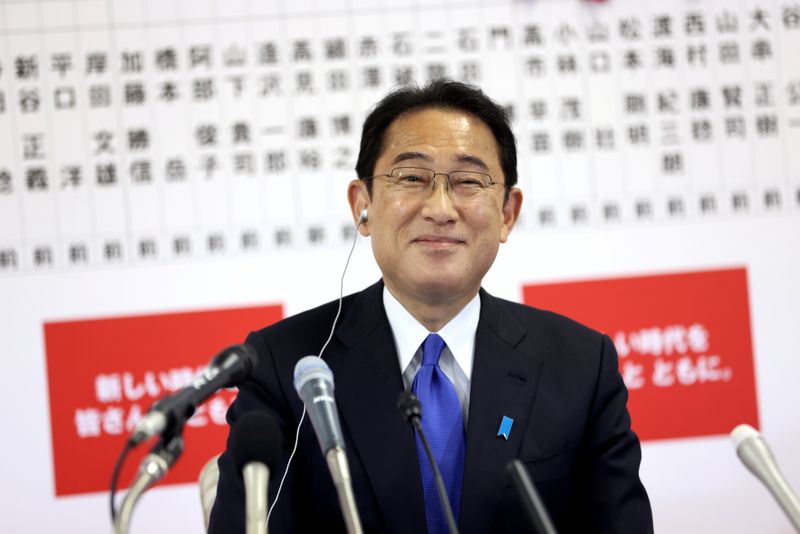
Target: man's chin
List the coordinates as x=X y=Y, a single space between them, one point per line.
x=442 y=288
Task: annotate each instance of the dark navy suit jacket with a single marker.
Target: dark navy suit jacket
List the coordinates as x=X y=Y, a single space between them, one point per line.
x=558 y=380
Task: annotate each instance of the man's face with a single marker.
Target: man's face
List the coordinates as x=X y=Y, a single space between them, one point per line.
x=436 y=248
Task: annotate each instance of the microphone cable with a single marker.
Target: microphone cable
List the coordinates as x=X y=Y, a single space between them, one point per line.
x=321 y=351
x=115 y=479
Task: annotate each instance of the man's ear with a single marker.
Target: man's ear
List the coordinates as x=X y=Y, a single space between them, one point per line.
x=358 y=197
x=510 y=213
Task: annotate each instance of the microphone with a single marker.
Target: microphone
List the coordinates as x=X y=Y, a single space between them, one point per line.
x=255 y=449
x=152 y=469
x=313 y=381
x=752 y=449
x=411 y=410
x=537 y=513
x=227 y=369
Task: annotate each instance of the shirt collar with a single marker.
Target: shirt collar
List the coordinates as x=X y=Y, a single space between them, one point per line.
x=458 y=333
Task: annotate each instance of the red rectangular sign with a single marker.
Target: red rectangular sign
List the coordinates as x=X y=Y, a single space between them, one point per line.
x=684 y=345
x=103 y=374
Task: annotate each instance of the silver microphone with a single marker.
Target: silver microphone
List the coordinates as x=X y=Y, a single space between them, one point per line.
x=152 y=469
x=752 y=449
x=313 y=381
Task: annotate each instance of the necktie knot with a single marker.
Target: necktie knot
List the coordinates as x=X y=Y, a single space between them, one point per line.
x=432 y=349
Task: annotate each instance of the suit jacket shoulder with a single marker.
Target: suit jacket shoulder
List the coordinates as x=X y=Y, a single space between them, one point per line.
x=559 y=382
x=543 y=325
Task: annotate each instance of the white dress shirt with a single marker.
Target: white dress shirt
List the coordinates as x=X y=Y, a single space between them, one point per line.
x=458 y=335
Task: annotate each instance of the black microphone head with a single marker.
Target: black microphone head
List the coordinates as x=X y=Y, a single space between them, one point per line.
x=240 y=357
x=409 y=406
x=255 y=438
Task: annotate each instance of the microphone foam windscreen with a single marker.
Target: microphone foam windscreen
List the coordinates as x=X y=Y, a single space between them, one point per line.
x=409 y=405
x=255 y=438
x=310 y=368
x=248 y=356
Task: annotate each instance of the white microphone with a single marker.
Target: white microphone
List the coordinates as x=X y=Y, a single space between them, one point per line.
x=313 y=381
x=752 y=449
x=255 y=448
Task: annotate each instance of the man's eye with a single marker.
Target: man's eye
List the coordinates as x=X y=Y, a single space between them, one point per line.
x=468 y=183
x=411 y=179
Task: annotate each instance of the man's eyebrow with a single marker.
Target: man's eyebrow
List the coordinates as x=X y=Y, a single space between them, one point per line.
x=472 y=160
x=460 y=158
x=405 y=156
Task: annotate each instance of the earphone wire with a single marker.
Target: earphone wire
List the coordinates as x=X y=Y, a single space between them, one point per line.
x=361 y=220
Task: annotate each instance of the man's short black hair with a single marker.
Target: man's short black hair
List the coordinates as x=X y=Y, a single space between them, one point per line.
x=443 y=94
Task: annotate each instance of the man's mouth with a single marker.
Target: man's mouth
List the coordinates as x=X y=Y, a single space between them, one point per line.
x=437 y=240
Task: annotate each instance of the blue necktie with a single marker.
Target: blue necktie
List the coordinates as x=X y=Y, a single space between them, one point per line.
x=443 y=425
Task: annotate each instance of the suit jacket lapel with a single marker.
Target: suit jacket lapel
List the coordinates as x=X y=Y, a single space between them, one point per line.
x=503 y=383
x=368 y=381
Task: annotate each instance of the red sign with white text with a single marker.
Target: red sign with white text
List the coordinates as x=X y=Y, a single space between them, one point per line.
x=104 y=374
x=684 y=344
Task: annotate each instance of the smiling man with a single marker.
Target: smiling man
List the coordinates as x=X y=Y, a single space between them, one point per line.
x=439 y=214
x=436 y=195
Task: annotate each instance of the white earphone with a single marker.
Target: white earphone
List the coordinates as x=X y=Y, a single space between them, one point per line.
x=363 y=218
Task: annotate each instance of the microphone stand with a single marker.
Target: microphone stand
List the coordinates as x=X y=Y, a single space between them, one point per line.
x=340 y=472
x=153 y=467
x=256 y=479
x=437 y=477
x=409 y=406
x=533 y=505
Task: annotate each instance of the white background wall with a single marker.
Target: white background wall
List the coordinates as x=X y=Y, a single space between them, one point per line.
x=696 y=485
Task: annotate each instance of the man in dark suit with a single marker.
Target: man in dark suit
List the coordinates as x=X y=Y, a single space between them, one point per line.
x=498 y=380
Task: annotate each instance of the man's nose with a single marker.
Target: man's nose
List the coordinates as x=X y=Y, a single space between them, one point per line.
x=439 y=205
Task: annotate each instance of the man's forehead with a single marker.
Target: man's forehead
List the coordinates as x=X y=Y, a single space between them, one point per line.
x=435 y=128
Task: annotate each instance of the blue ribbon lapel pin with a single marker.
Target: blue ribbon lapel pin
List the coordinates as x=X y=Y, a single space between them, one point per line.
x=505 y=427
